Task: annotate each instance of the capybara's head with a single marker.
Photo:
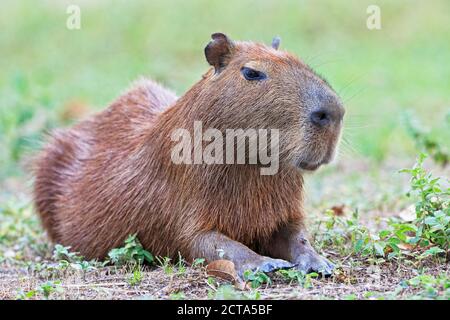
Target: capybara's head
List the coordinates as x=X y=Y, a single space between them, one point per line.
x=257 y=86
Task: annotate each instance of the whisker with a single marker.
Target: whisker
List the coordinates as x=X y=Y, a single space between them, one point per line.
x=348 y=147
x=354 y=95
x=350 y=82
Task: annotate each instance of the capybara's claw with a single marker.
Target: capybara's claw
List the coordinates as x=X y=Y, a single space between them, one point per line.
x=275 y=264
x=313 y=262
x=266 y=264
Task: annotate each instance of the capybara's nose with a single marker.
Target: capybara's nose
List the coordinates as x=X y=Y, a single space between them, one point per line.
x=321 y=117
x=326 y=116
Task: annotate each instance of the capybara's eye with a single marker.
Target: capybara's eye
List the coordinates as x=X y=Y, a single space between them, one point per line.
x=252 y=74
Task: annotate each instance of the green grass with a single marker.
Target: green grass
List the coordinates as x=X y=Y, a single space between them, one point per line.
x=379 y=74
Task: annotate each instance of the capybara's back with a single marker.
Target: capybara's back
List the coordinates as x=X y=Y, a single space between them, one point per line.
x=69 y=154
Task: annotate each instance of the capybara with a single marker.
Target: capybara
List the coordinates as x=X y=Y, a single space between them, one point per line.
x=113 y=175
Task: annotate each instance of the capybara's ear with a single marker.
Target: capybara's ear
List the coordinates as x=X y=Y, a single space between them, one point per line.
x=218 y=51
x=276 y=42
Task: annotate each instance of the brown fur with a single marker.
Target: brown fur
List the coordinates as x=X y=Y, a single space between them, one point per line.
x=111 y=175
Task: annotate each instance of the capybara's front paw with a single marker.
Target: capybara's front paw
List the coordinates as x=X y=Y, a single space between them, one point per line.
x=311 y=261
x=264 y=264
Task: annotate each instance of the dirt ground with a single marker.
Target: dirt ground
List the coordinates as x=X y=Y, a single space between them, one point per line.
x=362 y=282
x=27 y=270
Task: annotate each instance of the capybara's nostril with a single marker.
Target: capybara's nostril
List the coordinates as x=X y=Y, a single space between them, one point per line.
x=321 y=117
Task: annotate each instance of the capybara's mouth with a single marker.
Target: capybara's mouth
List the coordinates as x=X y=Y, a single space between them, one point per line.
x=309 y=165
x=314 y=164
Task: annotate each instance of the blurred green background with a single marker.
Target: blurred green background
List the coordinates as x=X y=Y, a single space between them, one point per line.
x=48 y=73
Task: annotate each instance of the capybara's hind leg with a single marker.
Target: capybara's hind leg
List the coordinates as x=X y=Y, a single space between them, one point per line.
x=214 y=245
x=290 y=243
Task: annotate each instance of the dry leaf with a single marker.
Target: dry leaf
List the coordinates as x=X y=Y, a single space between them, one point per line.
x=338 y=210
x=405 y=246
x=223 y=269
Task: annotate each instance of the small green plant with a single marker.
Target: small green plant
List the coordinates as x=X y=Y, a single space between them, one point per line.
x=45 y=289
x=429 y=231
x=350 y=237
x=169 y=268
x=26 y=295
x=63 y=253
x=136 y=277
x=177 y=295
x=293 y=275
x=256 y=278
x=199 y=262
x=67 y=259
x=164 y=263
x=181 y=265
x=429 y=286
x=432 y=207
x=132 y=252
